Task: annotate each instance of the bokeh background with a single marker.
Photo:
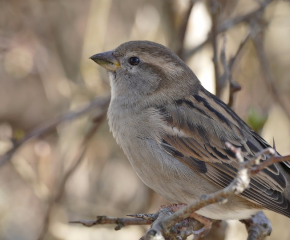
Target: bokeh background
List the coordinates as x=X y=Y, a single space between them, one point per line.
x=45 y=72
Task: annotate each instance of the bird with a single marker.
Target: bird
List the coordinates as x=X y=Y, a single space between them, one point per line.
x=174 y=133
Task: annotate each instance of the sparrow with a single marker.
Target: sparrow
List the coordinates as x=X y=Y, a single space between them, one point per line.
x=174 y=131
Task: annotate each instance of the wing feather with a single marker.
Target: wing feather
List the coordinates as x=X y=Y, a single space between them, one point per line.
x=203 y=124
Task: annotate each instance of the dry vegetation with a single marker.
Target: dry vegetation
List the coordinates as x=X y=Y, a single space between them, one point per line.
x=72 y=169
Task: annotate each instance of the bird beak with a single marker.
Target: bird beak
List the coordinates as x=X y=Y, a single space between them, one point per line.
x=106 y=60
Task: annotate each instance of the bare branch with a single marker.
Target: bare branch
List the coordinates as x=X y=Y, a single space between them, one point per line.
x=256 y=160
x=97 y=103
x=234 y=87
x=182 y=30
x=167 y=224
x=214 y=10
x=149 y=216
x=258 y=227
x=227 y=24
x=234 y=59
x=121 y=222
x=268 y=76
x=193 y=51
x=79 y=158
x=269 y=162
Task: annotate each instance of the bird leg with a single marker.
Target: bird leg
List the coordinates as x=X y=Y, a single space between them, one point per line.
x=207 y=223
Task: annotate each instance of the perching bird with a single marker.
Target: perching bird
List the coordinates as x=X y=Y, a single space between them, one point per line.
x=174 y=131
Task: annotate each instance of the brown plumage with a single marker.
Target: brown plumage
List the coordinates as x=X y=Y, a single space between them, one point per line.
x=174 y=132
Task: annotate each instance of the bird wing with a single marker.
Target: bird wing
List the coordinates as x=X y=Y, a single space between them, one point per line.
x=195 y=131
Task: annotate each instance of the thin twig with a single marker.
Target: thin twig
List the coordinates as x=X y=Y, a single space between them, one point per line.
x=189 y=53
x=214 y=10
x=80 y=156
x=229 y=23
x=226 y=25
x=223 y=59
x=121 y=222
x=266 y=71
x=269 y=162
x=234 y=59
x=234 y=86
x=182 y=30
x=46 y=128
x=256 y=160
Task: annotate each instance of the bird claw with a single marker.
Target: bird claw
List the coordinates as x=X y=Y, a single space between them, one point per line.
x=201 y=232
x=205 y=221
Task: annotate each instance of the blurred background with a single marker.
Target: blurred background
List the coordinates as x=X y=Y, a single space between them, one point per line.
x=45 y=72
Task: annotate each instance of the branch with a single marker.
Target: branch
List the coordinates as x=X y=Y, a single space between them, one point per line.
x=193 y=51
x=268 y=76
x=182 y=31
x=97 y=103
x=234 y=86
x=227 y=24
x=214 y=10
x=269 y=162
x=234 y=59
x=258 y=227
x=167 y=224
x=215 y=30
x=121 y=222
x=79 y=158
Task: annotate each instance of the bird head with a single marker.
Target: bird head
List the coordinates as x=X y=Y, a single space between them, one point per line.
x=139 y=68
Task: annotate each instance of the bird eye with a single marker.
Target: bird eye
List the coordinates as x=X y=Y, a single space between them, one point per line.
x=134 y=60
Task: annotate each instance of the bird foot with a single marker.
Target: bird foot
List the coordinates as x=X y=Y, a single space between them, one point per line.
x=207 y=224
x=203 y=220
